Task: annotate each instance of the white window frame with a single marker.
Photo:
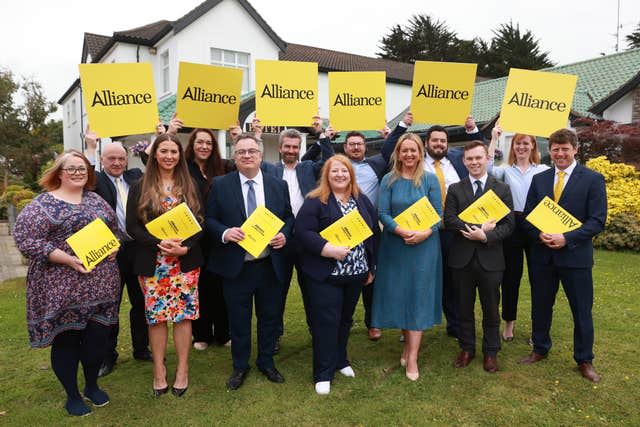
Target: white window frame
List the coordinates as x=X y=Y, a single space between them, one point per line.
x=165 y=72
x=235 y=63
x=74 y=111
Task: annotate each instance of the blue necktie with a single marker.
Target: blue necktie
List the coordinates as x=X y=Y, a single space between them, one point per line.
x=251 y=198
x=478 y=192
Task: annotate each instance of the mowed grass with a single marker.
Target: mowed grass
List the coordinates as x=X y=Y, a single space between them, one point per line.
x=549 y=393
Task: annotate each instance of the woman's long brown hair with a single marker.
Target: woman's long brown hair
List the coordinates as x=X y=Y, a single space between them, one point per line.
x=214 y=165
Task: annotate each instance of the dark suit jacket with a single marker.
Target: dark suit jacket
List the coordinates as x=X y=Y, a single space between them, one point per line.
x=106 y=189
x=585 y=197
x=490 y=254
x=225 y=209
x=146 y=248
x=307 y=171
x=313 y=217
x=456 y=154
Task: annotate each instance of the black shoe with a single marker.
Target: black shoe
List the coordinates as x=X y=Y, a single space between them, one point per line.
x=276 y=348
x=106 y=368
x=236 y=379
x=157 y=392
x=273 y=375
x=177 y=392
x=144 y=356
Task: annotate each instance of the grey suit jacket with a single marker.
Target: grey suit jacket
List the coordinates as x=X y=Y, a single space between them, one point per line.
x=490 y=254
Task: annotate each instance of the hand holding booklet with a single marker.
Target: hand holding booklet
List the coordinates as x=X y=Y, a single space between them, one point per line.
x=350 y=230
x=261 y=226
x=486 y=208
x=418 y=217
x=550 y=217
x=93 y=243
x=177 y=223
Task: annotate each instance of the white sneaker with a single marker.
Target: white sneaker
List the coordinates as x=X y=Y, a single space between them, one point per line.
x=323 y=387
x=347 y=371
x=200 y=345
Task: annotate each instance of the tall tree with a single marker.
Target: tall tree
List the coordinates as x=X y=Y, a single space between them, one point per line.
x=633 y=39
x=511 y=48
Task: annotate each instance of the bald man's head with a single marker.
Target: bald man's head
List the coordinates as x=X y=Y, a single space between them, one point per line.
x=114 y=159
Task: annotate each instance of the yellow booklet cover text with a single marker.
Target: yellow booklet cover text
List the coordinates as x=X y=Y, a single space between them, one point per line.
x=487 y=207
x=93 y=243
x=549 y=217
x=261 y=226
x=177 y=223
x=350 y=230
x=418 y=217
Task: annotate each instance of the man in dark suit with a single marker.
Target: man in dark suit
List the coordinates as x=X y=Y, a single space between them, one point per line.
x=449 y=168
x=112 y=184
x=567 y=257
x=232 y=199
x=301 y=177
x=476 y=257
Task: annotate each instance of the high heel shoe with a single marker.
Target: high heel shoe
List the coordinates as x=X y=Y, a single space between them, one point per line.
x=157 y=392
x=178 y=392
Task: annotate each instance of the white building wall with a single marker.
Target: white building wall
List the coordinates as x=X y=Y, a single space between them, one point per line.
x=72 y=124
x=621 y=111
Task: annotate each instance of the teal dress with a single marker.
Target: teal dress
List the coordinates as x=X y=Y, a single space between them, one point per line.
x=408 y=283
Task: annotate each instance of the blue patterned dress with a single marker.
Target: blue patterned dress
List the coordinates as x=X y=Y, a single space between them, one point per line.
x=170 y=295
x=408 y=284
x=58 y=297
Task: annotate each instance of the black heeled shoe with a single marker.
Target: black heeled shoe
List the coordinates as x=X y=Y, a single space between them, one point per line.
x=178 y=392
x=157 y=392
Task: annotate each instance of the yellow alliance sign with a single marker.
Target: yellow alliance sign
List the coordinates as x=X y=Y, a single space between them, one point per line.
x=208 y=96
x=442 y=92
x=357 y=100
x=286 y=92
x=120 y=98
x=537 y=102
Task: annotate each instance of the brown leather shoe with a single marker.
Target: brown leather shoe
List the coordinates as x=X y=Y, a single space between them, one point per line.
x=375 y=334
x=587 y=371
x=490 y=364
x=463 y=359
x=532 y=358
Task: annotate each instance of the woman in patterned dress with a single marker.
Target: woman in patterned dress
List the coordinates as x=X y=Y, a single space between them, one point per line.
x=68 y=307
x=334 y=274
x=168 y=270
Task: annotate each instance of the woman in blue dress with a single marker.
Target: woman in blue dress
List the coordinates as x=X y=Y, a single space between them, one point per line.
x=409 y=274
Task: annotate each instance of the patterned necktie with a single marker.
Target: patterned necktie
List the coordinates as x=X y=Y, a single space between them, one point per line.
x=121 y=193
x=557 y=189
x=251 y=198
x=478 y=192
x=440 y=175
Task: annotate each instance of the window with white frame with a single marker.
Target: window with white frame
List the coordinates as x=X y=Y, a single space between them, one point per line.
x=68 y=108
x=229 y=58
x=74 y=111
x=164 y=64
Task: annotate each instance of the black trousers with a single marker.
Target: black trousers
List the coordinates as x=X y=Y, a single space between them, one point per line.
x=516 y=246
x=367 y=302
x=578 y=286
x=213 y=323
x=467 y=280
x=331 y=304
x=293 y=260
x=449 y=299
x=256 y=280
x=137 y=320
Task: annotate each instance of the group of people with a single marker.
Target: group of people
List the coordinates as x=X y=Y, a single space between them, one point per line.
x=207 y=284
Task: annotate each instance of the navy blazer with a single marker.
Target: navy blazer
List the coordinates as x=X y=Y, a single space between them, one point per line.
x=585 y=197
x=313 y=217
x=106 y=189
x=455 y=155
x=225 y=209
x=307 y=171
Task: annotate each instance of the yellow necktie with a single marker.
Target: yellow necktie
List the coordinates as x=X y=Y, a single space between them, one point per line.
x=440 y=175
x=122 y=193
x=557 y=189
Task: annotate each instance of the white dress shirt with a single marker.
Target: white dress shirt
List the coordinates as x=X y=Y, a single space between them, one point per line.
x=450 y=174
x=567 y=173
x=295 y=194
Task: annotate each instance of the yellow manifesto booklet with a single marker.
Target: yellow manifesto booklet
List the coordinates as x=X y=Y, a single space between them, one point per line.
x=418 y=217
x=549 y=217
x=93 y=243
x=177 y=223
x=261 y=226
x=350 y=230
x=487 y=207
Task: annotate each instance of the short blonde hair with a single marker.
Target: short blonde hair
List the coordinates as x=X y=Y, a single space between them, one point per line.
x=323 y=189
x=50 y=179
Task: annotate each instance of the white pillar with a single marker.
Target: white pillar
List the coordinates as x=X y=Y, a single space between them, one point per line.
x=222 y=143
x=303 y=144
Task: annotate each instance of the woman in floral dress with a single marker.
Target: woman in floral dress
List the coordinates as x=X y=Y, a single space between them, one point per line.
x=168 y=270
x=68 y=307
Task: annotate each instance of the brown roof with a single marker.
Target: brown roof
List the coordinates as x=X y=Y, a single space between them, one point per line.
x=331 y=60
x=93 y=45
x=147 y=34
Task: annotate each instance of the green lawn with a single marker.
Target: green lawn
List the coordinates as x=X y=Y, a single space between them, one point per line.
x=549 y=393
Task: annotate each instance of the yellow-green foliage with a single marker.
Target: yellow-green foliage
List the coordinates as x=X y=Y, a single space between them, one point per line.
x=623 y=186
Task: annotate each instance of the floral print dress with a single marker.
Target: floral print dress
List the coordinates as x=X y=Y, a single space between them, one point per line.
x=170 y=295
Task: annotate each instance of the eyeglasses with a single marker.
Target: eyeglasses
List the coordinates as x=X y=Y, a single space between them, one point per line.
x=355 y=144
x=252 y=152
x=72 y=170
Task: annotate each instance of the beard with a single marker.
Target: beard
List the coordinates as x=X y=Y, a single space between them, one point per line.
x=436 y=156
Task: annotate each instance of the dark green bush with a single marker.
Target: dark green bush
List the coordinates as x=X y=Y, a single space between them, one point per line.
x=621 y=234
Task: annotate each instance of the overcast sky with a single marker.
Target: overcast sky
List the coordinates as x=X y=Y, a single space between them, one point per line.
x=43 y=39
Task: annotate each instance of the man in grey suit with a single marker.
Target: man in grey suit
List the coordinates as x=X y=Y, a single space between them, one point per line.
x=476 y=257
